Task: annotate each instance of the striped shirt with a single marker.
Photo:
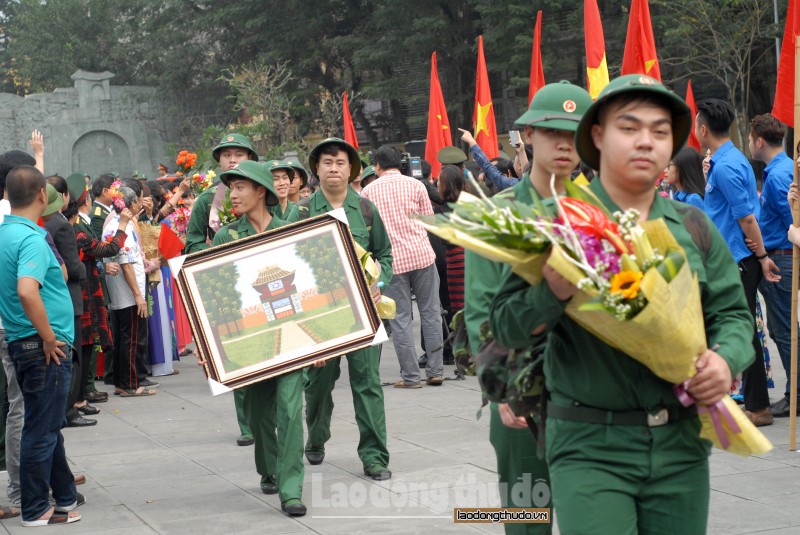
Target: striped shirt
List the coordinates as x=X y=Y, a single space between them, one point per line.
x=398 y=199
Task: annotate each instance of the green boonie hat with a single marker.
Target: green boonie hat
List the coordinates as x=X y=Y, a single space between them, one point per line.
x=255 y=172
x=274 y=165
x=368 y=172
x=681 y=116
x=451 y=156
x=236 y=141
x=558 y=106
x=352 y=155
x=76 y=183
x=301 y=170
x=54 y=201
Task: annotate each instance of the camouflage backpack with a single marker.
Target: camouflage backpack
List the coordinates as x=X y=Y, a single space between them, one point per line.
x=513 y=376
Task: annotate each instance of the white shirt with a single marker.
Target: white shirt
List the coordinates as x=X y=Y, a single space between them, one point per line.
x=120 y=294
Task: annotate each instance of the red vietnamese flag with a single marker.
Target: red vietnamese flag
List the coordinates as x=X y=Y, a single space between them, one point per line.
x=438 y=123
x=596 y=65
x=483 y=116
x=640 y=45
x=349 y=128
x=169 y=244
x=537 y=69
x=693 y=141
x=783 y=107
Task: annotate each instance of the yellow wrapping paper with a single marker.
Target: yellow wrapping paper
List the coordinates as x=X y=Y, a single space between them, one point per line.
x=526 y=266
x=387 y=308
x=666 y=336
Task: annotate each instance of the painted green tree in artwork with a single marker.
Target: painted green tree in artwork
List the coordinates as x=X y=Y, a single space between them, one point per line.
x=221 y=298
x=320 y=254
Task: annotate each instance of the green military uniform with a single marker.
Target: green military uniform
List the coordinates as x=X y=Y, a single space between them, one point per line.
x=363 y=365
x=198 y=232
x=517 y=462
x=607 y=478
x=290 y=215
x=273 y=403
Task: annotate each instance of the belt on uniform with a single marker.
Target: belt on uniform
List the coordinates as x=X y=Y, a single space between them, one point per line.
x=780 y=252
x=589 y=415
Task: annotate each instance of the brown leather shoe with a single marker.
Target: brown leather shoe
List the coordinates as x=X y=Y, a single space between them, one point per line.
x=762 y=418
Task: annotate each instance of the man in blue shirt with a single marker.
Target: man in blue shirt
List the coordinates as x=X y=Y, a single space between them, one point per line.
x=37 y=315
x=731 y=201
x=766 y=145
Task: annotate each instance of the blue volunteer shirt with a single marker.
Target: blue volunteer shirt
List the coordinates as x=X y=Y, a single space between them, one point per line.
x=689 y=198
x=731 y=195
x=25 y=253
x=776 y=214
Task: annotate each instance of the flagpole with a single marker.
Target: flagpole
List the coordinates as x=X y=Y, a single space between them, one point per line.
x=795 y=259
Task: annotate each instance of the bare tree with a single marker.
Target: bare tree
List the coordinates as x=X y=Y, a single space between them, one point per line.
x=719 y=39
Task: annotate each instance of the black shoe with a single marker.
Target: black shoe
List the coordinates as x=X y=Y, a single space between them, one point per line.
x=293 y=507
x=148 y=383
x=245 y=440
x=88 y=410
x=378 y=472
x=80 y=421
x=781 y=408
x=96 y=397
x=270 y=486
x=315 y=457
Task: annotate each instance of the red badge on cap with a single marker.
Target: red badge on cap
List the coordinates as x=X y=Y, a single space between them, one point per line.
x=230 y=138
x=570 y=106
x=646 y=81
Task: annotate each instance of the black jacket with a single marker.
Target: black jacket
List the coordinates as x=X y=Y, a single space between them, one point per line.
x=67 y=245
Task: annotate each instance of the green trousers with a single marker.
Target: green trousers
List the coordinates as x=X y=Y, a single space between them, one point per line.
x=241 y=417
x=277 y=404
x=629 y=480
x=365 y=384
x=524 y=478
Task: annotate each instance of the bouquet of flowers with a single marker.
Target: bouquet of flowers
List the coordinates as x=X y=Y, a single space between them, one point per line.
x=499 y=229
x=116 y=195
x=187 y=161
x=179 y=221
x=638 y=293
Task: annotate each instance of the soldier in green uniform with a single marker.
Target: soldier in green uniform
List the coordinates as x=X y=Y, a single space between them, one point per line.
x=336 y=163
x=615 y=468
x=283 y=174
x=298 y=182
x=550 y=125
x=275 y=403
x=204 y=223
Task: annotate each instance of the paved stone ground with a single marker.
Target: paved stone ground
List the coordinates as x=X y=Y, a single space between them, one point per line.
x=169 y=464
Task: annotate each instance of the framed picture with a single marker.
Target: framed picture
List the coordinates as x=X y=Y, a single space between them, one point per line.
x=275 y=302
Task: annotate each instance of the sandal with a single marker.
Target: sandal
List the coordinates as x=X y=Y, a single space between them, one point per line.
x=8 y=512
x=141 y=391
x=55 y=518
x=80 y=499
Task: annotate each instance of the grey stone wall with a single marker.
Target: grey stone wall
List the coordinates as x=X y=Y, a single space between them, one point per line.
x=93 y=127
